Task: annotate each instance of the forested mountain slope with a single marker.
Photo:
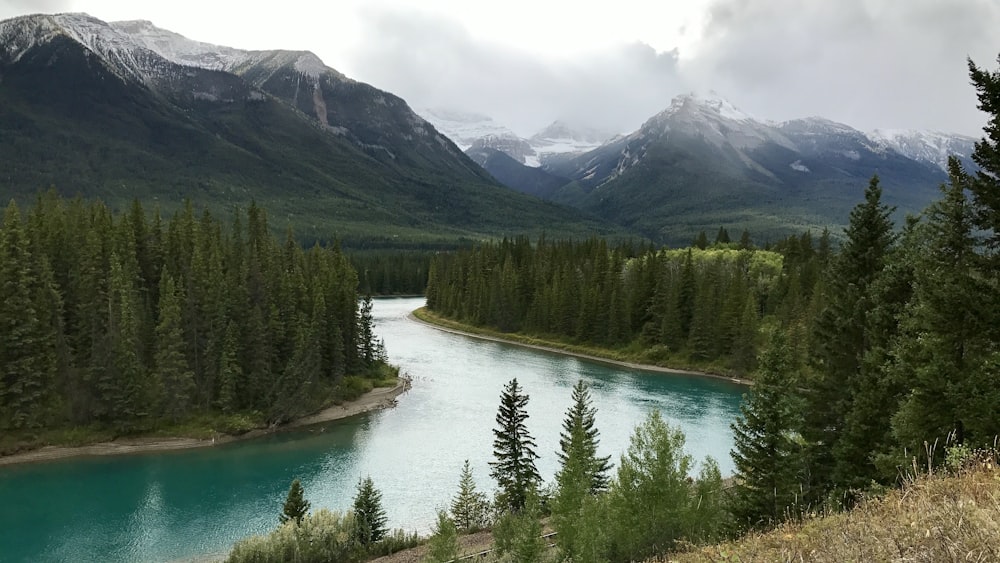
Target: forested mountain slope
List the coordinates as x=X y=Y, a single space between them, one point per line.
x=127 y=110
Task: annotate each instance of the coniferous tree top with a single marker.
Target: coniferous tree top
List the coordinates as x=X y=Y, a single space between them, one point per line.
x=469 y=507
x=296 y=506
x=514 y=449
x=579 y=439
x=986 y=187
x=369 y=515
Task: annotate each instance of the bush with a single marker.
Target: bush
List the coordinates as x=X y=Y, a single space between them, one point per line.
x=351 y=387
x=395 y=541
x=322 y=536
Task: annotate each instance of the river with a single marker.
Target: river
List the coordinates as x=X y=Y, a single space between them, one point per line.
x=184 y=505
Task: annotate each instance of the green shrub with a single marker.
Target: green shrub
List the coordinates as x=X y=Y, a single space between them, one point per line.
x=323 y=536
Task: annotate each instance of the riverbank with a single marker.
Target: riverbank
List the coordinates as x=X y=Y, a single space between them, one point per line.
x=422 y=315
x=376 y=399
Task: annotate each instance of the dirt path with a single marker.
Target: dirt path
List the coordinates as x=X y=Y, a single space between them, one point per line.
x=376 y=399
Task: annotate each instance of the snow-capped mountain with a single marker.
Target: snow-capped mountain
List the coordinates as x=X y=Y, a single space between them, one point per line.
x=478 y=131
x=464 y=128
x=511 y=145
x=128 y=110
x=703 y=153
x=926 y=146
x=561 y=138
x=124 y=56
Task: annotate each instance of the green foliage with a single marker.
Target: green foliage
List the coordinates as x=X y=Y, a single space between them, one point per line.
x=579 y=439
x=627 y=299
x=369 y=516
x=391 y=272
x=514 y=450
x=443 y=543
x=768 y=476
x=470 y=508
x=518 y=534
x=653 y=503
x=147 y=325
x=296 y=506
x=321 y=537
x=394 y=541
x=843 y=338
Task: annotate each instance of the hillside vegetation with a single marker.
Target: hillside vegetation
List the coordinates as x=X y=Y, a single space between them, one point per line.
x=937 y=517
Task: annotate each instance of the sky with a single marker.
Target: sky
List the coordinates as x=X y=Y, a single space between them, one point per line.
x=889 y=64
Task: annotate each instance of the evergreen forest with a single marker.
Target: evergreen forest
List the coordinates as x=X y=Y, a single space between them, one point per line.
x=130 y=322
x=866 y=358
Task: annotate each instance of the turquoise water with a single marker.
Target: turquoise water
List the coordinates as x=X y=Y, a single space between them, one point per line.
x=191 y=504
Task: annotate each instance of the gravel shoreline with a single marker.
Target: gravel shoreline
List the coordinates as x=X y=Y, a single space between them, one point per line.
x=376 y=399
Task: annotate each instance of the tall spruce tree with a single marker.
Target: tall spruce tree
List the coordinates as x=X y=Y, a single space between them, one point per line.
x=369 y=515
x=842 y=340
x=767 y=459
x=514 y=449
x=579 y=439
x=22 y=382
x=945 y=326
x=173 y=380
x=296 y=506
x=985 y=186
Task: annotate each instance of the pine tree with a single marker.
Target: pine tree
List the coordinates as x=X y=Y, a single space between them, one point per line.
x=985 y=186
x=944 y=326
x=170 y=372
x=841 y=337
x=369 y=516
x=230 y=372
x=296 y=506
x=579 y=439
x=22 y=381
x=722 y=237
x=766 y=457
x=514 y=449
x=469 y=508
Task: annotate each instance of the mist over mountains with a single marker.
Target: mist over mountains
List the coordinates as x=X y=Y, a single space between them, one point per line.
x=702 y=163
x=128 y=110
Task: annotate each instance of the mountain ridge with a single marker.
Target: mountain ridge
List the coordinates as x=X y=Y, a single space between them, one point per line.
x=89 y=109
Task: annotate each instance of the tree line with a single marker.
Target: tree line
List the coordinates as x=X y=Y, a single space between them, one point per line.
x=694 y=306
x=129 y=320
x=867 y=359
x=903 y=364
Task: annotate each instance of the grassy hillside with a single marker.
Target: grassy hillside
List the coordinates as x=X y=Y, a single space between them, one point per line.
x=937 y=517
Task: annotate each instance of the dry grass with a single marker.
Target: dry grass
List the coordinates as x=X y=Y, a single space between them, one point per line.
x=936 y=518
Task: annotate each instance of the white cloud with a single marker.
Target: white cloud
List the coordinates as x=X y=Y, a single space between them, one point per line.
x=868 y=63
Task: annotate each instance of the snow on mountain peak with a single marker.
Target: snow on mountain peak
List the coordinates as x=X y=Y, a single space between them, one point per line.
x=126 y=56
x=927 y=146
x=464 y=128
x=179 y=49
x=712 y=102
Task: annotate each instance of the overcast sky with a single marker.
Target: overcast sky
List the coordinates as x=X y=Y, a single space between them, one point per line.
x=868 y=63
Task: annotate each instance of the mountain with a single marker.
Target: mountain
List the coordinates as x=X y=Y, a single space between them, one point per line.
x=513 y=146
x=509 y=172
x=702 y=163
x=127 y=110
x=560 y=139
x=464 y=128
x=478 y=131
x=933 y=147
